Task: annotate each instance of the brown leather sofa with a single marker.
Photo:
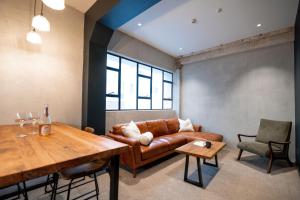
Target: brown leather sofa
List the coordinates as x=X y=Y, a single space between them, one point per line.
x=165 y=139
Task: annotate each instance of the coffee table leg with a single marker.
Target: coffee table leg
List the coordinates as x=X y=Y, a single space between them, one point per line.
x=199 y=172
x=186 y=169
x=211 y=164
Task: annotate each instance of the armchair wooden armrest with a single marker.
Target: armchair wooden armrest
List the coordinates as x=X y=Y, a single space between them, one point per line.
x=242 y=135
x=123 y=139
x=285 y=145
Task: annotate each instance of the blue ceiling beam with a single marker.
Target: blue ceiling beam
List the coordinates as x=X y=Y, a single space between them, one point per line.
x=124 y=11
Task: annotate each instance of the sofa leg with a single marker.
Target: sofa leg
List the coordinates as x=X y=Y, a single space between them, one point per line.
x=270 y=165
x=240 y=154
x=134 y=173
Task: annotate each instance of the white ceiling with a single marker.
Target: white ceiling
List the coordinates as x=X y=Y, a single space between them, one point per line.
x=167 y=25
x=81 y=5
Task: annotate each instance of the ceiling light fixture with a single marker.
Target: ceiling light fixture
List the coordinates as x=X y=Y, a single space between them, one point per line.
x=258 y=25
x=180 y=49
x=33 y=37
x=139 y=24
x=55 y=4
x=40 y=22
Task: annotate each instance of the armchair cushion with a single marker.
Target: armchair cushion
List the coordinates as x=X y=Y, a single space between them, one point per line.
x=270 y=130
x=258 y=148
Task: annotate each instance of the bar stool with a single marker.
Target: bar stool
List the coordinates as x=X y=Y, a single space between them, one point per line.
x=76 y=176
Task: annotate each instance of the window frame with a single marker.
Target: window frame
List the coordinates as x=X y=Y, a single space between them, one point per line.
x=137 y=84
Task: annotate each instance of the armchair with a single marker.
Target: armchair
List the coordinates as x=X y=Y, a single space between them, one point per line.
x=272 y=141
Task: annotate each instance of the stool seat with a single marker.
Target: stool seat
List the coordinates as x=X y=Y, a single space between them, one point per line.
x=84 y=169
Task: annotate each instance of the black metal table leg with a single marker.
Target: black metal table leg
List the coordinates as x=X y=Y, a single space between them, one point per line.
x=186 y=179
x=211 y=164
x=114 y=178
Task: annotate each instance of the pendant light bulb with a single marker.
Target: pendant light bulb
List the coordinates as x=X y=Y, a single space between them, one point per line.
x=55 y=4
x=33 y=37
x=40 y=23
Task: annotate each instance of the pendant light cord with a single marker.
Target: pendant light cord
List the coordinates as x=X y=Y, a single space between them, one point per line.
x=42 y=8
x=34 y=7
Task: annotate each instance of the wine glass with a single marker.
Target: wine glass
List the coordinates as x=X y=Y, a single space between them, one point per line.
x=34 y=117
x=21 y=118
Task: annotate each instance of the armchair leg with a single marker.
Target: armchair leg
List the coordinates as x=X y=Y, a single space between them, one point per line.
x=240 y=154
x=290 y=162
x=270 y=165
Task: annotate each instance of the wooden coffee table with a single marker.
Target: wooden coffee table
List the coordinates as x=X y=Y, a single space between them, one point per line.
x=191 y=149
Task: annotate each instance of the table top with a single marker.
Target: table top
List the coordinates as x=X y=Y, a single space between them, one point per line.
x=201 y=152
x=24 y=158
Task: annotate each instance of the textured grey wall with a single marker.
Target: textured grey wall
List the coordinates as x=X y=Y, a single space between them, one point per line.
x=230 y=94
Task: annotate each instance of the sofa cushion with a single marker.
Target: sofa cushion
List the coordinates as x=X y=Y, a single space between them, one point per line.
x=258 y=148
x=191 y=136
x=185 y=125
x=173 y=125
x=157 y=127
x=173 y=140
x=156 y=147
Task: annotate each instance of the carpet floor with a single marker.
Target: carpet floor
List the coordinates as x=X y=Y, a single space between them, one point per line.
x=234 y=180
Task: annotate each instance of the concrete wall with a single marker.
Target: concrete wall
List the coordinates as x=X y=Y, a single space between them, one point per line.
x=32 y=75
x=130 y=47
x=230 y=94
x=116 y=117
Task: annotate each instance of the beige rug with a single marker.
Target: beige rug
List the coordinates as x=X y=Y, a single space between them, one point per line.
x=245 y=180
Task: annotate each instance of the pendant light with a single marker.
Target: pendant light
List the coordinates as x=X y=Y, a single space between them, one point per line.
x=55 y=4
x=39 y=22
x=33 y=37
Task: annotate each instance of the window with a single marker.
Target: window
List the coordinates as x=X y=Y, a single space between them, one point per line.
x=131 y=85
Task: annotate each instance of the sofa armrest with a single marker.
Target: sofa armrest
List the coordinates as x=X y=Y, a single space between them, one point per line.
x=123 y=139
x=197 y=128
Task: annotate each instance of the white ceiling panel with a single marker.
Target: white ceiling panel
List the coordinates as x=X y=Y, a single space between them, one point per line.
x=168 y=24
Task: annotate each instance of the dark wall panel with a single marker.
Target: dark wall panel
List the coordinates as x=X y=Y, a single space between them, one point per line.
x=297 y=86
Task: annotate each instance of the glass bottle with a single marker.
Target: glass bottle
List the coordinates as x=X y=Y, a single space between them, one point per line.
x=45 y=122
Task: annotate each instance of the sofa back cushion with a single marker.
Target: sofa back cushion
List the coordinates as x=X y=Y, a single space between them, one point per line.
x=157 y=127
x=117 y=129
x=173 y=125
x=142 y=126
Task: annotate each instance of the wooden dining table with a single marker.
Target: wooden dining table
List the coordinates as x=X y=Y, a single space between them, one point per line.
x=25 y=155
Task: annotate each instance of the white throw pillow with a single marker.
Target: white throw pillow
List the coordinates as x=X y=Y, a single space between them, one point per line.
x=146 y=138
x=185 y=125
x=131 y=131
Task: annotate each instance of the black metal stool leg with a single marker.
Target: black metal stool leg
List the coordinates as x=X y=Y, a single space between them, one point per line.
x=54 y=189
x=25 y=191
x=69 y=189
x=96 y=185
